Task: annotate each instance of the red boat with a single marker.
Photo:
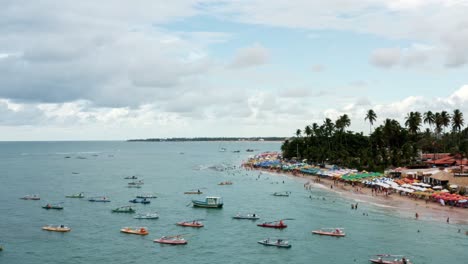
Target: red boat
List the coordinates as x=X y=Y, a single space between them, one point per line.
x=171 y=240
x=390 y=259
x=276 y=224
x=194 y=223
x=336 y=232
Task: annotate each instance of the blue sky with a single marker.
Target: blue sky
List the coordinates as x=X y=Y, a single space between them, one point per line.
x=106 y=70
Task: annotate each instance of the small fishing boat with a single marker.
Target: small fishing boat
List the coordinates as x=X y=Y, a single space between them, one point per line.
x=193 y=192
x=390 y=259
x=140 y=182
x=283 y=194
x=225 y=183
x=147 y=216
x=193 y=223
x=131 y=177
x=281 y=243
x=336 y=232
x=210 y=202
x=275 y=224
x=171 y=240
x=142 y=231
x=124 y=209
x=56 y=228
x=146 y=196
x=246 y=217
x=77 y=195
x=99 y=199
x=53 y=206
x=139 y=200
x=249 y=150
x=31 y=197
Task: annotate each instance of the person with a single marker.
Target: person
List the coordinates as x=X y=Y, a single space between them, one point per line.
x=416 y=215
x=448 y=220
x=352 y=206
x=199 y=191
x=61 y=226
x=355 y=207
x=253 y=215
x=403 y=260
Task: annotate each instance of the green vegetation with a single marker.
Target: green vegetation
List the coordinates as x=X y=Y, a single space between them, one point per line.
x=210 y=139
x=389 y=144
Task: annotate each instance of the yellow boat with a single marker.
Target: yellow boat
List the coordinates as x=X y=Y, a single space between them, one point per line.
x=60 y=228
x=142 y=231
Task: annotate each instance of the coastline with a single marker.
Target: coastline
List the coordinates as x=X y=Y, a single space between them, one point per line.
x=406 y=206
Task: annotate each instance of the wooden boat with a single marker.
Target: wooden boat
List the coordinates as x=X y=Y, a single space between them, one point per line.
x=275 y=242
x=193 y=223
x=99 y=199
x=131 y=177
x=192 y=192
x=124 y=209
x=53 y=206
x=225 y=183
x=336 y=232
x=283 y=194
x=31 y=197
x=276 y=224
x=146 y=196
x=246 y=217
x=147 y=216
x=390 y=259
x=142 y=231
x=58 y=228
x=210 y=202
x=77 y=195
x=171 y=240
x=139 y=200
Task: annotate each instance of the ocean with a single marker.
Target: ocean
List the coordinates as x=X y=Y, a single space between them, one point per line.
x=168 y=169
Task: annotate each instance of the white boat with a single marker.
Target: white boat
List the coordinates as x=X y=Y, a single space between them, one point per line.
x=146 y=196
x=147 y=216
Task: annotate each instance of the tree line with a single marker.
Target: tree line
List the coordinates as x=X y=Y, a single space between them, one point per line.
x=389 y=144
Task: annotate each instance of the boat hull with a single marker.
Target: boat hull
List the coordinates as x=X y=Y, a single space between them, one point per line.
x=171 y=242
x=378 y=261
x=57 y=229
x=134 y=232
x=273 y=226
x=193 y=192
x=53 y=207
x=197 y=225
x=274 y=244
x=206 y=205
x=328 y=234
x=246 y=217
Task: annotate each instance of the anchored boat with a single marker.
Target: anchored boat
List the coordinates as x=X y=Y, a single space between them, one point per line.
x=171 y=240
x=283 y=194
x=77 y=195
x=281 y=243
x=53 y=206
x=142 y=231
x=124 y=209
x=99 y=199
x=390 y=259
x=131 y=177
x=140 y=182
x=194 y=192
x=146 y=196
x=336 y=232
x=275 y=224
x=193 y=223
x=31 y=197
x=210 y=202
x=56 y=228
x=246 y=217
x=225 y=183
x=139 y=200
x=147 y=216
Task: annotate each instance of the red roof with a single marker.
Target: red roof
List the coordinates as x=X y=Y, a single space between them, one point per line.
x=450 y=160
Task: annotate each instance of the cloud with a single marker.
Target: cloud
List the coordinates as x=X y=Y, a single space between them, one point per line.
x=254 y=55
x=318 y=68
x=386 y=58
x=414 y=55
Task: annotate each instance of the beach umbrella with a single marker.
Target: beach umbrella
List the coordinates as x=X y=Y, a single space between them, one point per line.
x=453 y=186
x=445 y=191
x=437 y=187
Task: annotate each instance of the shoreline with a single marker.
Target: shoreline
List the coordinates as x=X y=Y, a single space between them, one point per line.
x=406 y=206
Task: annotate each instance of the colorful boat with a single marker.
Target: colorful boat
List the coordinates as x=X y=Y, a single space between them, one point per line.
x=210 y=202
x=147 y=216
x=171 y=240
x=99 y=199
x=53 y=206
x=56 y=228
x=124 y=209
x=283 y=194
x=276 y=224
x=77 y=195
x=146 y=196
x=281 y=243
x=390 y=259
x=142 y=231
x=246 y=217
x=336 y=232
x=193 y=223
x=31 y=197
x=139 y=200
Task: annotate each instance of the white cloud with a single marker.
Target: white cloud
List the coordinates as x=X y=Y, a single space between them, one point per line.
x=254 y=55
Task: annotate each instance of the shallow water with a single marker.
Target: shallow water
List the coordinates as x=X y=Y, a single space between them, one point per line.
x=41 y=168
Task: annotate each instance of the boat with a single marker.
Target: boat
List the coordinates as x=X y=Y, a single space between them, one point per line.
x=147 y=216
x=31 y=197
x=283 y=194
x=281 y=243
x=171 y=240
x=193 y=223
x=246 y=217
x=140 y=182
x=99 y=199
x=192 y=192
x=77 y=195
x=56 y=228
x=124 y=209
x=222 y=150
x=249 y=150
x=236 y=151
x=139 y=200
x=53 y=206
x=134 y=186
x=225 y=183
x=336 y=232
x=390 y=259
x=142 y=231
x=275 y=224
x=210 y=202
x=146 y=196
x=131 y=177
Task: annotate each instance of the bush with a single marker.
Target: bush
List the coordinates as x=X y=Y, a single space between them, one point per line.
x=462 y=190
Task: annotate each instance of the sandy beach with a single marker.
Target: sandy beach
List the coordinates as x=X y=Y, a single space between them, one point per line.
x=405 y=206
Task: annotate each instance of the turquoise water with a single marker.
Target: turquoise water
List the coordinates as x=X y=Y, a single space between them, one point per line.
x=41 y=168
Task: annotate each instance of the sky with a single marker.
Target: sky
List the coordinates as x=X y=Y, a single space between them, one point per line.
x=115 y=69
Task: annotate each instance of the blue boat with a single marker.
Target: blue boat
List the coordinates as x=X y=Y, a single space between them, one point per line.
x=210 y=202
x=139 y=200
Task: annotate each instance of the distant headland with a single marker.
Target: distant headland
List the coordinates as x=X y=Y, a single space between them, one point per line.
x=281 y=139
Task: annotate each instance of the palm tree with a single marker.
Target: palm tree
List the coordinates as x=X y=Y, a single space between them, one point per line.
x=413 y=122
x=308 y=131
x=445 y=119
x=429 y=119
x=298 y=133
x=438 y=123
x=371 y=117
x=457 y=120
